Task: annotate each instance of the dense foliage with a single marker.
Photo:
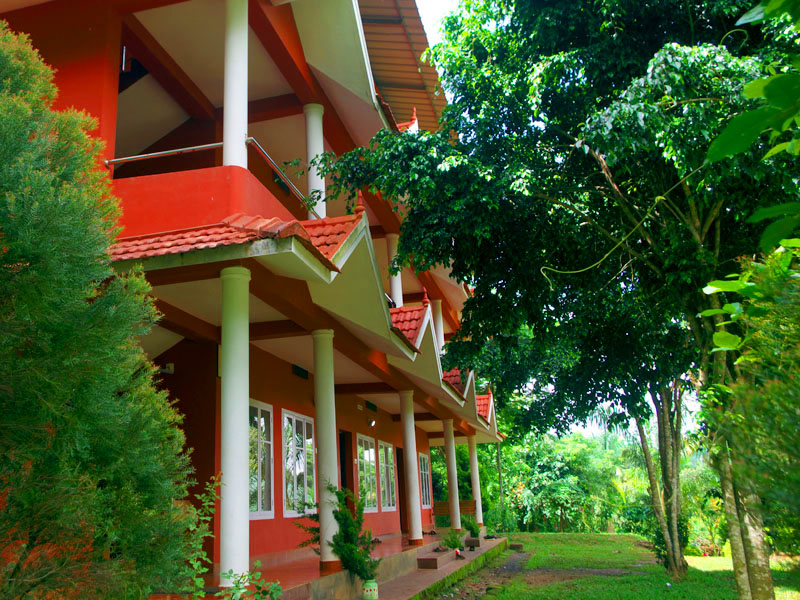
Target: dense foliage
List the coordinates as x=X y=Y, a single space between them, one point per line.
x=92 y=462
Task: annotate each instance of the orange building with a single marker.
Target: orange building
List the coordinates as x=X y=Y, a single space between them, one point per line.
x=294 y=356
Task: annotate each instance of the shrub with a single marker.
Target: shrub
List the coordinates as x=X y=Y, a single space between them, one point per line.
x=471 y=525
x=454 y=539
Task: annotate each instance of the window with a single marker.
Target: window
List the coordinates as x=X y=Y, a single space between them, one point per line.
x=367 y=480
x=386 y=457
x=425 y=479
x=299 y=493
x=260 y=460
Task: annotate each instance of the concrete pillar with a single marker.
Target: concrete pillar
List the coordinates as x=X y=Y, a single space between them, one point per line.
x=327 y=463
x=476 y=478
x=438 y=323
x=234 y=125
x=452 y=473
x=315 y=145
x=410 y=462
x=395 y=281
x=235 y=403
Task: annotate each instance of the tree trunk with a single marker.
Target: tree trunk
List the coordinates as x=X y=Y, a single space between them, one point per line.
x=740 y=571
x=755 y=546
x=500 y=480
x=655 y=497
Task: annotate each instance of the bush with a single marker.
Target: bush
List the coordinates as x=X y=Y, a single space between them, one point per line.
x=453 y=539
x=470 y=524
x=351 y=544
x=500 y=518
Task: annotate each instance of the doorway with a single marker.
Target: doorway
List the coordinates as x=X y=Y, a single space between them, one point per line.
x=401 y=491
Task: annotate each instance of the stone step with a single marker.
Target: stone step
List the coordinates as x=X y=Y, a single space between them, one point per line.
x=435 y=560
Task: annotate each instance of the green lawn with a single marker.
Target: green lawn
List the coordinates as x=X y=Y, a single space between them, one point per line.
x=708 y=578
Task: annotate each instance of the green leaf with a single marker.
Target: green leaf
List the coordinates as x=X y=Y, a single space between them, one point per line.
x=723 y=339
x=740 y=133
x=755 y=89
x=777 y=231
x=724 y=286
x=776 y=210
x=776 y=149
x=783 y=90
x=791 y=243
x=754 y=15
x=713 y=311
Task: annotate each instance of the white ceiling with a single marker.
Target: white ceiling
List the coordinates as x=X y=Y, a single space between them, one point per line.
x=176 y=28
x=159 y=340
x=203 y=299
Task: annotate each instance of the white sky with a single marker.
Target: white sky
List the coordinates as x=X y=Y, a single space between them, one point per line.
x=432 y=12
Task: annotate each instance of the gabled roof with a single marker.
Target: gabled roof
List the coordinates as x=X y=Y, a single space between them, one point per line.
x=236 y=229
x=408 y=320
x=453 y=377
x=484 y=402
x=329 y=233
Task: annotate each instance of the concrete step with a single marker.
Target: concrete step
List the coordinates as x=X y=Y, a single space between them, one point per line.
x=435 y=560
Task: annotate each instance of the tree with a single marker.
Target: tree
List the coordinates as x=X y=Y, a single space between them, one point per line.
x=578 y=204
x=93 y=465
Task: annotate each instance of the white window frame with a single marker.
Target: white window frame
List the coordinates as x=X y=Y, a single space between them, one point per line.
x=264 y=514
x=425 y=480
x=374 y=480
x=312 y=509
x=388 y=481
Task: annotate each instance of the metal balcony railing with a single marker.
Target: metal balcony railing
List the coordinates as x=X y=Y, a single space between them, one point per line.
x=250 y=142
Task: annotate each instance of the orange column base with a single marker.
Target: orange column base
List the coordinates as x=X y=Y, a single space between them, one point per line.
x=419 y=542
x=327 y=567
x=480 y=524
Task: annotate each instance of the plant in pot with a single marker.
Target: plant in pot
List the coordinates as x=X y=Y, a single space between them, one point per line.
x=473 y=540
x=454 y=539
x=352 y=545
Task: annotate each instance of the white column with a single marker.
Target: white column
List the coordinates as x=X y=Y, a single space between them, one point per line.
x=395 y=281
x=315 y=145
x=327 y=464
x=476 y=477
x=410 y=466
x=234 y=124
x=438 y=323
x=235 y=402
x=452 y=473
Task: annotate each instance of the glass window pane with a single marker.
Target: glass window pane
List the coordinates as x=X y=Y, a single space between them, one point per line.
x=310 y=492
x=253 y=458
x=288 y=457
x=300 y=465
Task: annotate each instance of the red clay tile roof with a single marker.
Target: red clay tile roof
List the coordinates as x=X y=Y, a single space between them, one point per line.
x=236 y=229
x=408 y=320
x=484 y=402
x=329 y=233
x=404 y=126
x=453 y=377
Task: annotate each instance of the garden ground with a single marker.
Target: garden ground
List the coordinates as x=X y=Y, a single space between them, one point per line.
x=605 y=567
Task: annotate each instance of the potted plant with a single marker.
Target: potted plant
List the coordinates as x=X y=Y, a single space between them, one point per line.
x=453 y=539
x=352 y=545
x=471 y=525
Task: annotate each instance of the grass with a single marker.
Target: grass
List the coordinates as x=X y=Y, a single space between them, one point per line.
x=582 y=550
x=708 y=578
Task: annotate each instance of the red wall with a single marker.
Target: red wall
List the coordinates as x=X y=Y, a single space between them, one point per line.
x=195 y=386
x=82 y=42
x=192 y=198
